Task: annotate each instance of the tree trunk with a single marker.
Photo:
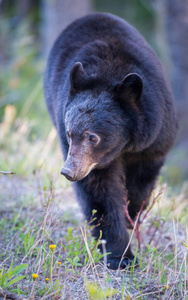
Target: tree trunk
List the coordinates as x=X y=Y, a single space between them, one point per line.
x=176 y=26
x=57 y=14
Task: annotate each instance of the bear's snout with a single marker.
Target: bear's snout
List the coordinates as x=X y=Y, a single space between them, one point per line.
x=77 y=169
x=68 y=173
x=79 y=162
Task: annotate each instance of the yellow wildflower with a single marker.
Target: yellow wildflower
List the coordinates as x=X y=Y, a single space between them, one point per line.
x=34 y=276
x=52 y=247
x=59 y=264
x=47 y=279
x=166 y=287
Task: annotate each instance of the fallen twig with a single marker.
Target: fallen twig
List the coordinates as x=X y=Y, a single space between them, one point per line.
x=136 y=225
x=7 y=173
x=152 y=204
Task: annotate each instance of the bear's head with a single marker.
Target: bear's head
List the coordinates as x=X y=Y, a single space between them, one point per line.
x=98 y=122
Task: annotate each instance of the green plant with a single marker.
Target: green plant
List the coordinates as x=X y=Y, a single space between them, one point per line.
x=28 y=240
x=18 y=291
x=10 y=277
x=74 y=262
x=96 y=292
x=75 y=248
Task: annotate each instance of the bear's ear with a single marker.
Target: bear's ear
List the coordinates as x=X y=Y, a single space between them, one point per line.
x=77 y=76
x=130 y=88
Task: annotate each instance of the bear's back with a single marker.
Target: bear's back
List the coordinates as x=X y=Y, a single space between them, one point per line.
x=127 y=44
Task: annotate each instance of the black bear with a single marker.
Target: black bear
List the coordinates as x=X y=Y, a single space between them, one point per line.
x=112 y=106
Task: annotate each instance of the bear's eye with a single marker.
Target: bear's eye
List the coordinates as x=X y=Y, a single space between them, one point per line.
x=93 y=139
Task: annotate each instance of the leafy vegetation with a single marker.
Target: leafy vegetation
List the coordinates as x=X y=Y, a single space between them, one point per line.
x=10 y=277
x=66 y=259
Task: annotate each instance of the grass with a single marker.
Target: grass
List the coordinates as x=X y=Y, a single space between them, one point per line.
x=38 y=209
x=75 y=268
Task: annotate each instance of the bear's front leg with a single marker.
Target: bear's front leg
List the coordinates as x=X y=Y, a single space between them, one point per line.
x=103 y=191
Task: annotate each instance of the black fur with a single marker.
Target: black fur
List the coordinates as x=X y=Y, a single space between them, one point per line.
x=111 y=103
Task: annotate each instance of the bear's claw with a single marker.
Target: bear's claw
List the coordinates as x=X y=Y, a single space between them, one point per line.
x=114 y=263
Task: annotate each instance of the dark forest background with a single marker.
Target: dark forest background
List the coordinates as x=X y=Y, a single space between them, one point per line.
x=28 y=29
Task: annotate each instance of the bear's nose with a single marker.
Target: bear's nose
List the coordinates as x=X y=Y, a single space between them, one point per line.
x=68 y=173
